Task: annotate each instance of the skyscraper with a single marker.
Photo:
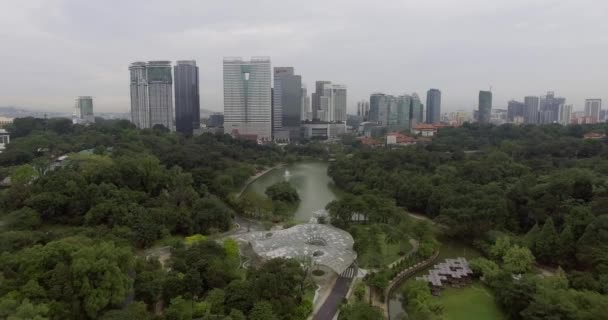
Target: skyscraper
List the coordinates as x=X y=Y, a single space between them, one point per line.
x=160 y=93
x=247 y=97
x=404 y=104
x=316 y=98
x=531 y=109
x=306 y=110
x=485 y=106
x=433 y=106
x=592 y=110
x=377 y=108
x=416 y=111
x=363 y=109
x=564 y=114
x=514 y=109
x=187 y=102
x=83 y=111
x=140 y=112
x=333 y=103
x=287 y=103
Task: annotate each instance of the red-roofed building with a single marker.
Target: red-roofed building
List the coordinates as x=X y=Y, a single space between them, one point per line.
x=367 y=141
x=594 y=135
x=425 y=129
x=400 y=139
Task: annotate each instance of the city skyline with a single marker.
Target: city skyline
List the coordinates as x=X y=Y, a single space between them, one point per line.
x=525 y=61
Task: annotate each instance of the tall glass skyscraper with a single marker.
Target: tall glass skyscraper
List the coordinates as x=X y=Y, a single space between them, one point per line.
x=433 y=106
x=416 y=111
x=287 y=103
x=485 y=106
x=316 y=98
x=187 y=101
x=247 y=97
x=333 y=103
x=404 y=105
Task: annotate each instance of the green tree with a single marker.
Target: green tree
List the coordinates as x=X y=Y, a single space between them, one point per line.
x=262 y=311
x=283 y=191
x=360 y=311
x=546 y=244
x=518 y=260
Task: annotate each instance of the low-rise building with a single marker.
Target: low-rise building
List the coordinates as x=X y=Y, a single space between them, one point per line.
x=322 y=130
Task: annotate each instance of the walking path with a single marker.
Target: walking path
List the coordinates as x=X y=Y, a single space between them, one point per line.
x=332 y=303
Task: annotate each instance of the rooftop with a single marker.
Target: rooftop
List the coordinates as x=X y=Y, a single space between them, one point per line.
x=325 y=244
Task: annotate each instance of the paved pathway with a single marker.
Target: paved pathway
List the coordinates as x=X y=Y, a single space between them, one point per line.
x=331 y=305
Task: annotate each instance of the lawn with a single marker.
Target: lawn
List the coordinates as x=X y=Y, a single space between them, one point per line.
x=472 y=302
x=390 y=253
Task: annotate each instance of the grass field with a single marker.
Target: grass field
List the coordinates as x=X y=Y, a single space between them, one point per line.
x=472 y=302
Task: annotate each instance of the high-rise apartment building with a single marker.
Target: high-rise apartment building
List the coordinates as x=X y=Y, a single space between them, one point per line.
x=531 y=104
x=333 y=103
x=247 y=97
x=485 y=107
x=287 y=103
x=187 y=101
x=514 y=109
x=160 y=93
x=83 y=110
x=433 y=106
x=404 y=105
x=592 y=110
x=316 y=98
x=140 y=112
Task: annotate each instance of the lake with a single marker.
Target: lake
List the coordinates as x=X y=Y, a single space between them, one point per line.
x=309 y=178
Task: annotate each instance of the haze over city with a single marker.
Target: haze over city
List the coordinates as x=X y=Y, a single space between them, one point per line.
x=59 y=49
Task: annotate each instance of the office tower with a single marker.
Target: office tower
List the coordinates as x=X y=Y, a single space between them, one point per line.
x=514 y=109
x=531 y=109
x=333 y=103
x=485 y=107
x=247 y=97
x=215 y=120
x=416 y=111
x=83 y=111
x=287 y=103
x=140 y=112
x=592 y=110
x=160 y=93
x=433 y=106
x=392 y=113
x=316 y=98
x=377 y=108
x=187 y=102
x=564 y=114
x=404 y=104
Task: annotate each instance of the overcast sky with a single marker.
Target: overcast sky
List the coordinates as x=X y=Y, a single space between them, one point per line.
x=55 y=50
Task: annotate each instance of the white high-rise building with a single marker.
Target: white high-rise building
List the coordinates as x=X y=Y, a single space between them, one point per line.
x=564 y=115
x=592 y=110
x=151 y=94
x=333 y=103
x=247 y=97
x=140 y=112
x=160 y=92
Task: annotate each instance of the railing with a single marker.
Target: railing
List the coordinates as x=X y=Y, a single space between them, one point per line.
x=403 y=275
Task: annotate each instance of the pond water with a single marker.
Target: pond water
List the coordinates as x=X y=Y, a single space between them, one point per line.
x=311 y=181
x=449 y=249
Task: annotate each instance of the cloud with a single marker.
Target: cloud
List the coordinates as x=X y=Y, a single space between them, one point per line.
x=58 y=49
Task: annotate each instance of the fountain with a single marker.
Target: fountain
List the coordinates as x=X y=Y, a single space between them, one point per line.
x=287 y=174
